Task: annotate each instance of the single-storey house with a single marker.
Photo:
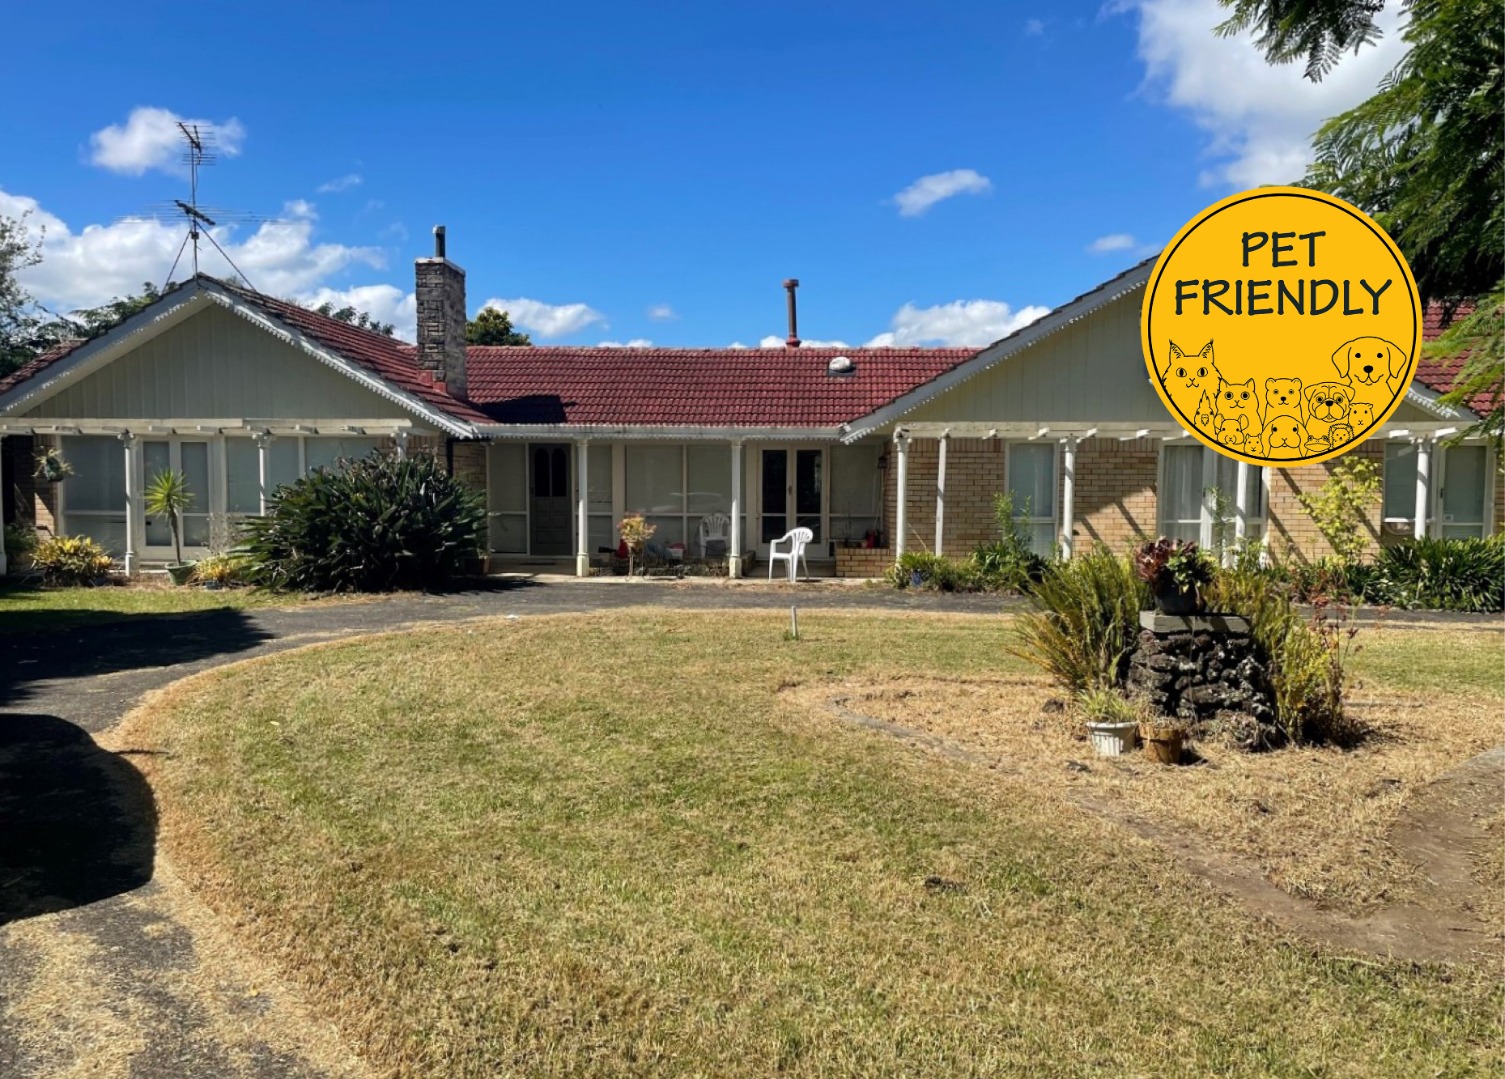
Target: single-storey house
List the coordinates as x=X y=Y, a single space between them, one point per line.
x=875 y=450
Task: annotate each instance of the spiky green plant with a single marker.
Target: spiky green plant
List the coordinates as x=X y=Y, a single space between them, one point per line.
x=167 y=495
x=1085 y=622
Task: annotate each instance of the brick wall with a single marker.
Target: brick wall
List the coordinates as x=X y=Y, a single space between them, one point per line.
x=44 y=495
x=863 y=561
x=974 y=473
x=1115 y=499
x=470 y=464
x=1293 y=534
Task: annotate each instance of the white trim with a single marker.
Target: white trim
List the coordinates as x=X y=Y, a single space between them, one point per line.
x=734 y=548
x=1043 y=327
x=582 y=508
x=544 y=432
x=940 y=492
x=1068 y=495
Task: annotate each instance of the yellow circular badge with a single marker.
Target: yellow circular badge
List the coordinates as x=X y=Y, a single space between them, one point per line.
x=1281 y=325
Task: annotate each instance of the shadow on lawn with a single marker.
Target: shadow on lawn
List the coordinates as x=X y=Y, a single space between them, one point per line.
x=80 y=823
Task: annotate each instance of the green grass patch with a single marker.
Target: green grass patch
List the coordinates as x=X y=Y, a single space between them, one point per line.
x=30 y=608
x=1468 y=658
x=611 y=845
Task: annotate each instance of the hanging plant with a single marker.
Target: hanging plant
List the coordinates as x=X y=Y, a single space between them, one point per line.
x=51 y=467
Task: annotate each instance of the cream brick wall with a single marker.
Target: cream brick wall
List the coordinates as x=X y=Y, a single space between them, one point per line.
x=1115 y=499
x=1293 y=533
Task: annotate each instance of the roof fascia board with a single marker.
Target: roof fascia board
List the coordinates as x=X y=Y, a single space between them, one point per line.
x=515 y=431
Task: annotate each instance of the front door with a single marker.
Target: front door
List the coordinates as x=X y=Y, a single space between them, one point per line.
x=549 y=504
x=791 y=485
x=191 y=458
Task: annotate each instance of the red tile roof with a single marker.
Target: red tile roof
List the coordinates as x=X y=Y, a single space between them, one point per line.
x=1440 y=374
x=695 y=387
x=36 y=365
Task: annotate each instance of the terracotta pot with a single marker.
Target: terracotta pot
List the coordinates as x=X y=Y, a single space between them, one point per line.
x=1163 y=744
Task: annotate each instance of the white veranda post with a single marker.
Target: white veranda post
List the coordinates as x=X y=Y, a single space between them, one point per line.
x=582 y=552
x=940 y=492
x=263 y=470
x=1423 y=485
x=1068 y=494
x=1241 y=503
x=734 y=547
x=901 y=515
x=132 y=503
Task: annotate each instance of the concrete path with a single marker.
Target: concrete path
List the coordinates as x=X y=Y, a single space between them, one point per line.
x=108 y=965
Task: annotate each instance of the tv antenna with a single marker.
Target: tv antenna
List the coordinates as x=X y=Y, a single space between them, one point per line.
x=199 y=153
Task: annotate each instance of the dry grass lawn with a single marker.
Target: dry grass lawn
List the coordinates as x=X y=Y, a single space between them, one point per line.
x=628 y=843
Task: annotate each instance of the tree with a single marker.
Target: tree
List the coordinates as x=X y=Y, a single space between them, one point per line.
x=1424 y=156
x=493 y=327
x=359 y=319
x=18 y=321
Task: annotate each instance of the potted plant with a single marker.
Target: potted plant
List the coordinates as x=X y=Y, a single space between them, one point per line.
x=52 y=467
x=1164 y=738
x=1111 y=719
x=635 y=533
x=1175 y=570
x=168 y=496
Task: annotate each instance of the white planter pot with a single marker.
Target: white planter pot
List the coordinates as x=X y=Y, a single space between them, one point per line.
x=1112 y=739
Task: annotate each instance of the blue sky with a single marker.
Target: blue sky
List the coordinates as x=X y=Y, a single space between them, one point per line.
x=933 y=173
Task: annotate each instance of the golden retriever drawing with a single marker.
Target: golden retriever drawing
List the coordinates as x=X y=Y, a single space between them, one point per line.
x=1374 y=366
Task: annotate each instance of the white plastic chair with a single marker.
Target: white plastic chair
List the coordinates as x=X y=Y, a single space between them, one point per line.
x=797 y=538
x=714 y=527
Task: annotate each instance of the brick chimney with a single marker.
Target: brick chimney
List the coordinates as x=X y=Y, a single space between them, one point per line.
x=440 y=291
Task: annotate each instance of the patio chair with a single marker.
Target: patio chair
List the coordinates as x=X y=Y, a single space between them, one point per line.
x=796 y=538
x=714 y=528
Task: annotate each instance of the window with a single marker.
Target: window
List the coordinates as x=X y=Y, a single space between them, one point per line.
x=243 y=471
x=324 y=452
x=1031 y=470
x=94 y=496
x=1184 y=498
x=656 y=489
x=1181 y=492
x=1465 y=474
x=1400 y=482
x=856 y=491
x=601 y=530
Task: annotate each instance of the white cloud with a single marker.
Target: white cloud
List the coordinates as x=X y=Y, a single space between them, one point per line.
x=929 y=190
x=1259 y=117
x=100 y=262
x=340 y=183
x=636 y=342
x=299 y=208
x=547 y=319
x=662 y=312
x=150 y=139
x=957 y=324
x=1034 y=27
x=385 y=303
x=778 y=342
x=1118 y=241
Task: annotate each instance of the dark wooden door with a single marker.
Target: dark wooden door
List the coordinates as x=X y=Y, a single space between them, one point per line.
x=550 y=500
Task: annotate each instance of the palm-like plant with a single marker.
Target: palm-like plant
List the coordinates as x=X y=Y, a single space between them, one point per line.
x=168 y=496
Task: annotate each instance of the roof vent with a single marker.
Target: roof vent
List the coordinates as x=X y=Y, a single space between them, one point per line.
x=841 y=365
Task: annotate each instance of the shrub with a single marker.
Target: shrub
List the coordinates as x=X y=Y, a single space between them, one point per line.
x=935 y=572
x=224 y=570
x=635 y=532
x=71 y=560
x=1340 y=507
x=1442 y=574
x=1085 y=622
x=371 y=526
x=20 y=539
x=1304 y=657
x=1109 y=706
x=1007 y=563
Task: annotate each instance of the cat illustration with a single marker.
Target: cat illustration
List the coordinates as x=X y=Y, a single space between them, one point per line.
x=1239 y=401
x=1284 y=437
x=1204 y=414
x=1283 y=398
x=1231 y=434
x=1187 y=378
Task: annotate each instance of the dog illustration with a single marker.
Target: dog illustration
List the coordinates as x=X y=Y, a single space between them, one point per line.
x=1204 y=414
x=1283 y=398
x=1327 y=403
x=1338 y=434
x=1284 y=437
x=1231 y=434
x=1239 y=401
x=1374 y=367
x=1186 y=378
x=1361 y=415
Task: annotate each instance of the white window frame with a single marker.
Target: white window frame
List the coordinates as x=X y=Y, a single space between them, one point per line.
x=1256 y=526
x=1035 y=520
